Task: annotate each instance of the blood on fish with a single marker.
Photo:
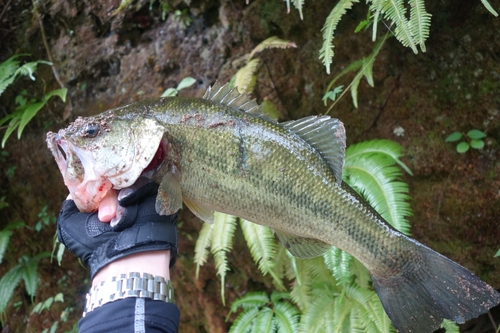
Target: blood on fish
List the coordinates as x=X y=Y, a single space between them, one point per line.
x=158 y=158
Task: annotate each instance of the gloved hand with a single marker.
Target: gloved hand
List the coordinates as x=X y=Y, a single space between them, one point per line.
x=139 y=229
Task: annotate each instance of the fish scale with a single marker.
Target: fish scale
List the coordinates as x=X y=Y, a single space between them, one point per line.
x=223 y=154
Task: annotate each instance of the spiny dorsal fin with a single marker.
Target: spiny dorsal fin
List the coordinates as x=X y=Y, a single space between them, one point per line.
x=231 y=97
x=326 y=135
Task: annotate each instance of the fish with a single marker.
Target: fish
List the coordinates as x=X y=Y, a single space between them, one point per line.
x=220 y=153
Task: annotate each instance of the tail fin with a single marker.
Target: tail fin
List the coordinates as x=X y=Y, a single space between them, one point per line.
x=418 y=301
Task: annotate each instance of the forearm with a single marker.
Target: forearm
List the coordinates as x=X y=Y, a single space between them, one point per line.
x=153 y=262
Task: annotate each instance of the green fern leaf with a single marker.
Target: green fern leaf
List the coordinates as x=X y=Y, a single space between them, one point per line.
x=488 y=6
x=339 y=263
x=255 y=299
x=222 y=242
x=264 y=321
x=203 y=243
x=376 y=8
x=376 y=178
x=326 y=51
x=244 y=322
x=272 y=43
x=450 y=326
x=384 y=147
x=245 y=77
x=30 y=276
x=5 y=235
x=286 y=317
x=8 y=284
x=319 y=316
x=262 y=246
x=395 y=11
x=420 y=22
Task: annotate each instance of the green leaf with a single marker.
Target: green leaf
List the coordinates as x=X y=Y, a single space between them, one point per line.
x=395 y=11
x=4 y=241
x=488 y=6
x=419 y=23
x=243 y=323
x=59 y=297
x=455 y=136
x=30 y=276
x=185 y=83
x=8 y=284
x=272 y=42
x=222 y=243
x=477 y=144
x=476 y=134
x=14 y=122
x=203 y=243
x=462 y=147
x=170 y=92
x=30 y=111
x=264 y=321
x=262 y=246
x=58 y=92
x=450 y=326
x=376 y=178
x=287 y=317
x=269 y=109
x=253 y=299
x=497 y=254
x=326 y=52
x=245 y=77
x=332 y=94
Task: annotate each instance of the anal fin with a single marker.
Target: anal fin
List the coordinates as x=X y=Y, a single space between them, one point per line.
x=169 y=199
x=302 y=247
x=205 y=214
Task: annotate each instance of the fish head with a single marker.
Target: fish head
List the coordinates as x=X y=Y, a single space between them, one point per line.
x=96 y=154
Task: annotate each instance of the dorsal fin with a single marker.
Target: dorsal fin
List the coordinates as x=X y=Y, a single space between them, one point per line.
x=326 y=135
x=231 y=97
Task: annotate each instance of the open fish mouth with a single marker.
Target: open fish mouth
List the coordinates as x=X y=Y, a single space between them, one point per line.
x=76 y=165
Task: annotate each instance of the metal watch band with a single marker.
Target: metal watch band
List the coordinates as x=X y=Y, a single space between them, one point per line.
x=119 y=287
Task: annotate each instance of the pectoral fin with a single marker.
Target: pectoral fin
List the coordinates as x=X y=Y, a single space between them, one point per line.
x=203 y=213
x=302 y=247
x=169 y=199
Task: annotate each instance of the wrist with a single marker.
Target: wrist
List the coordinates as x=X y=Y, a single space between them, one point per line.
x=155 y=263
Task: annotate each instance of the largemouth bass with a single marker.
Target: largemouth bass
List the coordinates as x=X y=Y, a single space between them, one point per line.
x=220 y=153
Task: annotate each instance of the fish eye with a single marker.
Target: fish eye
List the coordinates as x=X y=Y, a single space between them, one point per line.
x=92 y=130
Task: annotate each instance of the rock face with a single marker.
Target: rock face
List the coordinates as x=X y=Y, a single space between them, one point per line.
x=107 y=59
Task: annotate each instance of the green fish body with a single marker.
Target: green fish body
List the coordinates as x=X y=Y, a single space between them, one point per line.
x=220 y=153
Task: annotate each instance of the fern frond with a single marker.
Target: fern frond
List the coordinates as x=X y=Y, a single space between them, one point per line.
x=339 y=263
x=376 y=178
x=420 y=22
x=286 y=317
x=488 y=6
x=326 y=51
x=254 y=299
x=264 y=321
x=8 y=284
x=203 y=243
x=222 y=242
x=301 y=290
x=384 y=147
x=450 y=326
x=319 y=314
x=262 y=245
x=376 y=8
x=272 y=42
x=245 y=77
x=395 y=11
x=244 y=322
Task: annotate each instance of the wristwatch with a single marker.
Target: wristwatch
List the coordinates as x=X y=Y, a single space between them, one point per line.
x=119 y=287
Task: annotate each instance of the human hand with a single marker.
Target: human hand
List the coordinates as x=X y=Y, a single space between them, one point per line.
x=140 y=229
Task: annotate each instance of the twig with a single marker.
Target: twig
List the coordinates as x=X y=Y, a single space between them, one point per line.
x=54 y=71
x=442 y=191
x=5 y=9
x=382 y=107
x=493 y=321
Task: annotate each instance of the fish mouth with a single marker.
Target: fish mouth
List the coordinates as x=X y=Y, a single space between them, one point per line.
x=87 y=185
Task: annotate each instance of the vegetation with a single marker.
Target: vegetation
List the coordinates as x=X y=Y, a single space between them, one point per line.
x=474 y=139
x=10 y=69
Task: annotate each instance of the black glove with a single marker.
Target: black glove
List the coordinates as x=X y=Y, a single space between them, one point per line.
x=140 y=229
